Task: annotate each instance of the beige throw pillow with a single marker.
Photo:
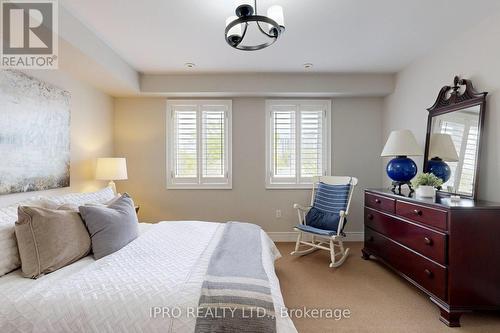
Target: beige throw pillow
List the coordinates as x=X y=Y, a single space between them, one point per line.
x=49 y=239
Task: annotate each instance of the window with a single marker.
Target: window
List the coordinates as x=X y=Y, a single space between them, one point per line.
x=464 y=133
x=199 y=144
x=297 y=142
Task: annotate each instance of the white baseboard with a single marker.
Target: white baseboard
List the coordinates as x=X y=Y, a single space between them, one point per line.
x=291 y=236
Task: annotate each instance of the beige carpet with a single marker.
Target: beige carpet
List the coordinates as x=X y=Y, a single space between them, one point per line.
x=379 y=300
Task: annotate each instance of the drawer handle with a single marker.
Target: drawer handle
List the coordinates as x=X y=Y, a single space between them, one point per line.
x=370 y=216
x=418 y=212
x=377 y=201
x=370 y=239
x=428 y=241
x=428 y=273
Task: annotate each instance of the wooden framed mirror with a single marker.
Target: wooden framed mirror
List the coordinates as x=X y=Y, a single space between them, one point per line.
x=453 y=141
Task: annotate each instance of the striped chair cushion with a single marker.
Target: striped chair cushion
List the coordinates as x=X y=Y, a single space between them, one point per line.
x=328 y=202
x=331 y=198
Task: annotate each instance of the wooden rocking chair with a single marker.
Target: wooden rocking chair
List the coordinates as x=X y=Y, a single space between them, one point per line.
x=322 y=238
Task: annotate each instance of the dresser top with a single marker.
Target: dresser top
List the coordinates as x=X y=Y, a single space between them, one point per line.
x=439 y=201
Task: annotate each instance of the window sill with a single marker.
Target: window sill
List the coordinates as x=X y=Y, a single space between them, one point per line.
x=289 y=186
x=198 y=187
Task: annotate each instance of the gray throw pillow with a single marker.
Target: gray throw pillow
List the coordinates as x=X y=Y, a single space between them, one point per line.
x=111 y=227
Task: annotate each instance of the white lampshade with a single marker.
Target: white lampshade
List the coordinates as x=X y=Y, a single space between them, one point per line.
x=401 y=143
x=236 y=30
x=441 y=145
x=110 y=168
x=276 y=13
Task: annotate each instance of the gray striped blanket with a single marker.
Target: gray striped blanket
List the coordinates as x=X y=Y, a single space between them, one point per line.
x=236 y=295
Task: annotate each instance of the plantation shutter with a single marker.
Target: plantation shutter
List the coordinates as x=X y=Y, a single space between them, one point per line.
x=185 y=145
x=311 y=143
x=469 y=161
x=213 y=143
x=284 y=145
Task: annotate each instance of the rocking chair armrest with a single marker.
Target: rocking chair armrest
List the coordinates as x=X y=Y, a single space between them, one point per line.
x=302 y=208
x=301 y=212
x=343 y=216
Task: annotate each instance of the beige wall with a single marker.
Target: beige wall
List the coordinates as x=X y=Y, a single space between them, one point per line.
x=474 y=55
x=91 y=133
x=268 y=84
x=140 y=135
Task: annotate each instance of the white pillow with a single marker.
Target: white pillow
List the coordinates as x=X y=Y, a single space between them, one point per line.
x=80 y=199
x=9 y=255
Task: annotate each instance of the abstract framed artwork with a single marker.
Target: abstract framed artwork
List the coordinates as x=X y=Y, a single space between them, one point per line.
x=34 y=134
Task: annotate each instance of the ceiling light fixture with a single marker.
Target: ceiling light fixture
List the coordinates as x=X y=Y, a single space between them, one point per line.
x=271 y=26
x=189 y=65
x=308 y=65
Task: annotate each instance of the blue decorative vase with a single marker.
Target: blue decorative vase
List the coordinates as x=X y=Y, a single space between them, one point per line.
x=401 y=169
x=439 y=168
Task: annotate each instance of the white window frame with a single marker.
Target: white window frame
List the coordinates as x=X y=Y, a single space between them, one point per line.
x=297 y=182
x=199 y=182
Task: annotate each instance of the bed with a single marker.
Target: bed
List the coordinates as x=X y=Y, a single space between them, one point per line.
x=147 y=286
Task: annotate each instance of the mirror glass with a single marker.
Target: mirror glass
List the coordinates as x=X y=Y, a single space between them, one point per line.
x=453 y=149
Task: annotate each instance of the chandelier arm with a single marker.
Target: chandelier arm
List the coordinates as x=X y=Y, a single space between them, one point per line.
x=255 y=47
x=262 y=30
x=243 y=34
x=256 y=19
x=258 y=24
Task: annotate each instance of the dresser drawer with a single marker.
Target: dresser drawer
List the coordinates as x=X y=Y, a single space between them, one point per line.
x=424 y=272
x=380 y=203
x=425 y=241
x=426 y=215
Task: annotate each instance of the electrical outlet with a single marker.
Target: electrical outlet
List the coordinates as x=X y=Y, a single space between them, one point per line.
x=278 y=213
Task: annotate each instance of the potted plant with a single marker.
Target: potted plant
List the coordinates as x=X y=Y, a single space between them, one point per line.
x=426 y=184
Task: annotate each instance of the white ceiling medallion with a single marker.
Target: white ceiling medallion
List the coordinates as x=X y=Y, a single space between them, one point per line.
x=271 y=26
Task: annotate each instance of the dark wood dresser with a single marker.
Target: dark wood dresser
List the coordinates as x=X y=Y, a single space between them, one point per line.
x=451 y=251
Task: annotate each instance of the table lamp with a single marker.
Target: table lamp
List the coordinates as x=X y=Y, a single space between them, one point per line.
x=111 y=168
x=401 y=169
x=441 y=150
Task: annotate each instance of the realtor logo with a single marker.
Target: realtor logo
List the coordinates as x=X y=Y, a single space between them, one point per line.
x=29 y=34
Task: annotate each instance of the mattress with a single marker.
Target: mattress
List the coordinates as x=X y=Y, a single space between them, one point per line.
x=150 y=285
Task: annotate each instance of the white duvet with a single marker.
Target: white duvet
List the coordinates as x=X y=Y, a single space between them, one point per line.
x=123 y=292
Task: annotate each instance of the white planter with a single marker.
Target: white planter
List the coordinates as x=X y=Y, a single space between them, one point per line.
x=426 y=191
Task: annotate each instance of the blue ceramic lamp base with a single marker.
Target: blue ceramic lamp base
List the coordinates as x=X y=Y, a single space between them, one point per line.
x=401 y=170
x=439 y=168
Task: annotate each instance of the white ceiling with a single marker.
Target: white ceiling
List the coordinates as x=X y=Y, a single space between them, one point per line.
x=160 y=36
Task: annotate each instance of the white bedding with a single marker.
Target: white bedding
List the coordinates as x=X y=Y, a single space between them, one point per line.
x=164 y=268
